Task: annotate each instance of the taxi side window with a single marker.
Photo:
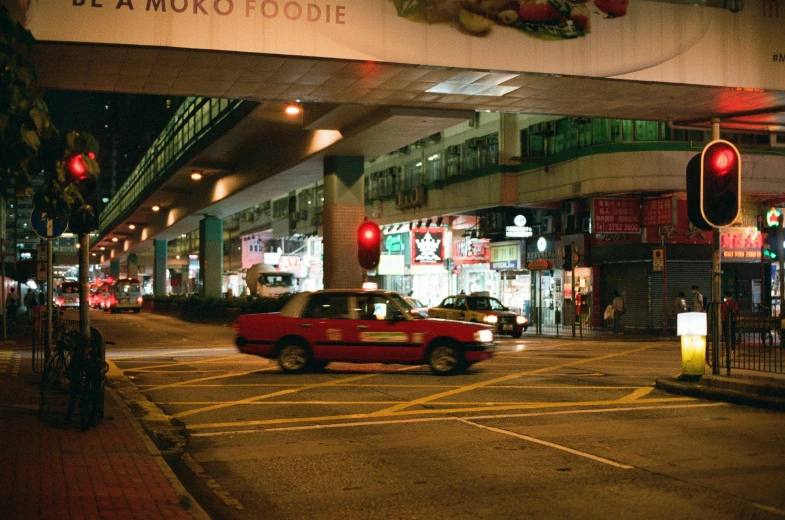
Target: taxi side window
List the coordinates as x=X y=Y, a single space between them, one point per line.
x=328 y=306
x=374 y=308
x=448 y=303
x=460 y=303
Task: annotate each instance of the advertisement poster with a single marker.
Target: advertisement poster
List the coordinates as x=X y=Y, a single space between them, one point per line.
x=637 y=40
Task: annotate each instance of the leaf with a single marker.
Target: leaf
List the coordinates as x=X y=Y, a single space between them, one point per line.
x=31 y=139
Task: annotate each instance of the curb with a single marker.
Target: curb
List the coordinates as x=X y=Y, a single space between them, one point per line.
x=193 y=509
x=743 y=392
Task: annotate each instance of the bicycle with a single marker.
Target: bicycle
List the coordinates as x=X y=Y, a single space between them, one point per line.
x=55 y=371
x=87 y=374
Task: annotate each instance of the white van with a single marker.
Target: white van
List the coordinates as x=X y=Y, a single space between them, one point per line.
x=125 y=294
x=67 y=296
x=266 y=280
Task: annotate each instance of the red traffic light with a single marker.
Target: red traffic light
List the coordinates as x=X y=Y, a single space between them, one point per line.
x=77 y=169
x=720 y=183
x=369 y=245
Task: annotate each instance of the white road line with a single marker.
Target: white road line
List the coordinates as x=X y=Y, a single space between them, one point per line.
x=432 y=419
x=550 y=445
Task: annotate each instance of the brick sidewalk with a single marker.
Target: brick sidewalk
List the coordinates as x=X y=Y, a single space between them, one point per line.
x=112 y=471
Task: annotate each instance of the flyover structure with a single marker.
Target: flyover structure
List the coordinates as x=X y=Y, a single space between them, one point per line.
x=372 y=78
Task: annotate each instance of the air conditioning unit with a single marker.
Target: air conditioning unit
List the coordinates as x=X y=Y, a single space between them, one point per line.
x=418 y=196
x=547 y=225
x=400 y=200
x=586 y=225
x=571 y=208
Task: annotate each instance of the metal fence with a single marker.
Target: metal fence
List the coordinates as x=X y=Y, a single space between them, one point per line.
x=40 y=353
x=750 y=340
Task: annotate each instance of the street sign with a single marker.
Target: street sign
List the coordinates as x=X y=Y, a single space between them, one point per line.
x=46 y=227
x=40 y=273
x=658 y=259
x=540 y=265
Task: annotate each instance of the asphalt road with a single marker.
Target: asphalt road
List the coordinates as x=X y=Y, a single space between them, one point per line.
x=549 y=428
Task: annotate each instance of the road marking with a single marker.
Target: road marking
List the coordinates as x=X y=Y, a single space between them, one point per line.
x=549 y=444
x=442 y=411
x=508 y=377
x=181 y=363
x=210 y=378
x=274 y=394
x=431 y=419
x=637 y=394
x=769 y=509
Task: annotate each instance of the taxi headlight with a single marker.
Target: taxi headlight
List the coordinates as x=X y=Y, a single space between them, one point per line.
x=483 y=336
x=521 y=320
x=490 y=319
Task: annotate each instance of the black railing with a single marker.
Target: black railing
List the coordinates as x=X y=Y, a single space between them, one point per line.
x=751 y=339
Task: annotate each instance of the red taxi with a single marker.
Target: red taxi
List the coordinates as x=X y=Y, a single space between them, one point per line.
x=313 y=329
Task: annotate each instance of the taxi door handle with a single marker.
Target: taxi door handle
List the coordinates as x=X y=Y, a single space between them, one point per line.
x=305 y=325
x=362 y=327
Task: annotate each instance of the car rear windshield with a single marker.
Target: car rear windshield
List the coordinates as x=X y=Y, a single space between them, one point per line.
x=486 y=304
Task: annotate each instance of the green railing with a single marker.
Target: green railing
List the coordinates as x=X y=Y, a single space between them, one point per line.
x=197 y=123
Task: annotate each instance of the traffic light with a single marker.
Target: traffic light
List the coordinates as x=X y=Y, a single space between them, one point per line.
x=566 y=263
x=720 y=183
x=369 y=245
x=80 y=173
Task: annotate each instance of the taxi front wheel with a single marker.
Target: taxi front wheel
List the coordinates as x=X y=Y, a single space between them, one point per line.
x=445 y=359
x=294 y=358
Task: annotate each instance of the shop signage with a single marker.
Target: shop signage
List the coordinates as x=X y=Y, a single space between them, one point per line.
x=471 y=251
x=741 y=244
x=391 y=265
x=544 y=248
x=659 y=212
x=540 y=265
x=519 y=229
x=505 y=256
x=427 y=246
x=394 y=243
x=616 y=215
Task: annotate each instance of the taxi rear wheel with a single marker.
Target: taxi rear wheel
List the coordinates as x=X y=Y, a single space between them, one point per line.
x=294 y=358
x=446 y=359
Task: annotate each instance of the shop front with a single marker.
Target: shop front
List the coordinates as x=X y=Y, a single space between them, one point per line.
x=514 y=281
x=472 y=257
x=430 y=281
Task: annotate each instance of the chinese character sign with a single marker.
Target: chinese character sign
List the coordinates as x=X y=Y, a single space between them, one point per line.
x=659 y=212
x=616 y=216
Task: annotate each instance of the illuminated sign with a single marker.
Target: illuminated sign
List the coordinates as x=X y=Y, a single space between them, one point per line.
x=519 y=229
x=741 y=244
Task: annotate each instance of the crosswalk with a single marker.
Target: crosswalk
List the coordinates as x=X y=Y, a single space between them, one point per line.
x=10 y=362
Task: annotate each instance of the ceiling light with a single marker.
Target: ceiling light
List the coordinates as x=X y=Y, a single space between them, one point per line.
x=196 y=175
x=114 y=239
x=293 y=109
x=156 y=208
x=131 y=226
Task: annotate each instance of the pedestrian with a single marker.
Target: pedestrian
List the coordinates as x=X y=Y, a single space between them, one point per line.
x=730 y=318
x=12 y=304
x=30 y=303
x=618 y=310
x=679 y=304
x=697 y=300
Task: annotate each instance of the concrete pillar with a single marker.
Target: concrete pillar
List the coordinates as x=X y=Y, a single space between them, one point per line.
x=211 y=256
x=344 y=211
x=133 y=266
x=160 y=251
x=114 y=269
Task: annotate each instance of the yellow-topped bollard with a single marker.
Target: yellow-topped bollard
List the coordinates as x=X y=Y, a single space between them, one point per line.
x=692 y=328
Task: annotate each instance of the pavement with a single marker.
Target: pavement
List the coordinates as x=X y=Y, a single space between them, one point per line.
x=55 y=470
x=114 y=470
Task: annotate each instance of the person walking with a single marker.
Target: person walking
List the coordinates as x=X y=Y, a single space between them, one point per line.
x=730 y=317
x=697 y=300
x=618 y=310
x=679 y=304
x=12 y=304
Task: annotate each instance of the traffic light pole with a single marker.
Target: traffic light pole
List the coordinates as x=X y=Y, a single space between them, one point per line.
x=781 y=259
x=716 y=286
x=84 y=289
